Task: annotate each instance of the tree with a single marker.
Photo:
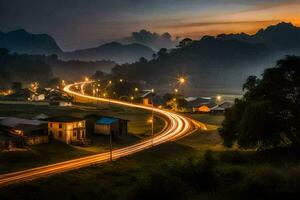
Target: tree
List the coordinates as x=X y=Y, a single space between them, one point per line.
x=16 y=86
x=185 y=42
x=162 y=52
x=268 y=115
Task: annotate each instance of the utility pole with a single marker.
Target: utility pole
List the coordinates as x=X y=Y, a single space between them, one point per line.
x=110 y=146
x=152 y=124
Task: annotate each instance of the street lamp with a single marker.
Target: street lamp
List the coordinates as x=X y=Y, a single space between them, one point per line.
x=219 y=98
x=181 y=80
x=151 y=121
x=176 y=90
x=136 y=89
x=131 y=98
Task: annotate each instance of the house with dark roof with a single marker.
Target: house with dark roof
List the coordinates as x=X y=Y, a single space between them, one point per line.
x=24 y=131
x=111 y=125
x=71 y=130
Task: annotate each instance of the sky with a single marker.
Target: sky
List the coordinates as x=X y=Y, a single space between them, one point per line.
x=79 y=24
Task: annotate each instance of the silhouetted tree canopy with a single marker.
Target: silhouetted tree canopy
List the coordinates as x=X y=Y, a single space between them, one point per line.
x=268 y=115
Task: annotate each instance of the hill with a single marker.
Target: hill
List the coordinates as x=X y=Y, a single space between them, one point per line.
x=217 y=63
x=20 y=68
x=111 y=51
x=22 y=42
x=280 y=37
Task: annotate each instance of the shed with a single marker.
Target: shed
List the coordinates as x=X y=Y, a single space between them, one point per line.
x=111 y=125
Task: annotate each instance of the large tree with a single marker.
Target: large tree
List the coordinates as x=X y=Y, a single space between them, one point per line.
x=268 y=115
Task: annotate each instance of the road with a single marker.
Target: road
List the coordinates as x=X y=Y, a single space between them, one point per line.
x=178 y=126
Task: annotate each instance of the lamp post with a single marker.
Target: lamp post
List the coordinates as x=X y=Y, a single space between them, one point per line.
x=152 y=118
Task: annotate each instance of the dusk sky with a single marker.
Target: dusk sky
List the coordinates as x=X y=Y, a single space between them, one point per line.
x=87 y=23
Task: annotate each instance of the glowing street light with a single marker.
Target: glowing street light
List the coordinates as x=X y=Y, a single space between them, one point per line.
x=109 y=82
x=152 y=90
x=136 y=89
x=219 y=98
x=176 y=90
x=121 y=80
x=86 y=79
x=181 y=80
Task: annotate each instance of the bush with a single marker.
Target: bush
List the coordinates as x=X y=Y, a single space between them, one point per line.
x=266 y=184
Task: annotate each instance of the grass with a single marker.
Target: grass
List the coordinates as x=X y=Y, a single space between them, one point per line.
x=176 y=170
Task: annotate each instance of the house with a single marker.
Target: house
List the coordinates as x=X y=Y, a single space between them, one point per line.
x=24 y=131
x=37 y=97
x=200 y=104
x=111 y=125
x=203 y=109
x=67 y=129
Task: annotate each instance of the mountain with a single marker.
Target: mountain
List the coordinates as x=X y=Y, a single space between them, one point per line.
x=111 y=51
x=213 y=63
x=20 y=41
x=280 y=37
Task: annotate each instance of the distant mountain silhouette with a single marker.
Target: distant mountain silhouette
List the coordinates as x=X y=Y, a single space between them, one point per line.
x=20 y=41
x=215 y=62
x=280 y=37
x=111 y=51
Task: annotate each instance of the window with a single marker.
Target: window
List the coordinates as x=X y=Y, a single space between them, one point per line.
x=60 y=125
x=83 y=132
x=74 y=134
x=51 y=125
x=60 y=134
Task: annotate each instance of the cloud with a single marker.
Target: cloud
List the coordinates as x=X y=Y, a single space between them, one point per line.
x=153 y=40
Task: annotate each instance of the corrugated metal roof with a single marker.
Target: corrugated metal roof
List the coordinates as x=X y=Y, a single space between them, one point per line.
x=106 y=120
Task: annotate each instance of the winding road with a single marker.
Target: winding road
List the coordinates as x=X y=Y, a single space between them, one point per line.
x=178 y=126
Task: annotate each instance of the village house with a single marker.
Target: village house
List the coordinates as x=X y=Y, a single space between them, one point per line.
x=70 y=130
x=22 y=132
x=111 y=125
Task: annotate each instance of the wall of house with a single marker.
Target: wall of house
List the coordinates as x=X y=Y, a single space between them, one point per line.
x=102 y=129
x=32 y=140
x=67 y=132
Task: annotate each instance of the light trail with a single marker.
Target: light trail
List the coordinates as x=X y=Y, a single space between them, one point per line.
x=178 y=127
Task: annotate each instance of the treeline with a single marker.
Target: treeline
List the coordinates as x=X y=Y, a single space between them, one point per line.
x=40 y=68
x=20 y=68
x=207 y=61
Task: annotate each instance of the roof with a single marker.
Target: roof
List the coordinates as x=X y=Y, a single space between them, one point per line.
x=223 y=106
x=63 y=119
x=14 y=121
x=106 y=120
x=41 y=116
x=198 y=102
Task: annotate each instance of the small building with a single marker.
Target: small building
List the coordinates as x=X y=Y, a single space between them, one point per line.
x=37 y=97
x=67 y=129
x=204 y=109
x=111 y=125
x=201 y=104
x=24 y=131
